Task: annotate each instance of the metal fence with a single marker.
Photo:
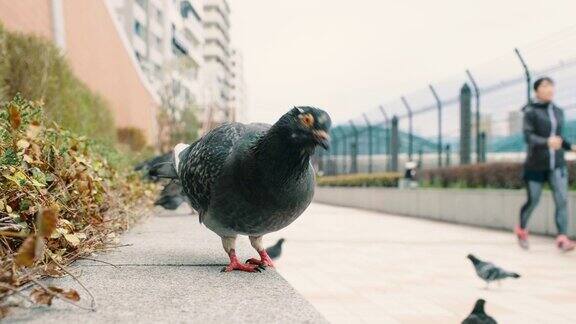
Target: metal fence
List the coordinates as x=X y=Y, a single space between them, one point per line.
x=471 y=118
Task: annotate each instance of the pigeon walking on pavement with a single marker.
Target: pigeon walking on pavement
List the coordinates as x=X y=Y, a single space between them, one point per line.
x=489 y=272
x=251 y=179
x=147 y=165
x=171 y=196
x=275 y=250
x=478 y=315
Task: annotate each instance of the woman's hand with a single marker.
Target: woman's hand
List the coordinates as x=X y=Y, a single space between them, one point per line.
x=555 y=142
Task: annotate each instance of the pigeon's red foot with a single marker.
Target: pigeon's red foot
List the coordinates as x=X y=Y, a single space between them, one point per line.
x=235 y=265
x=264 y=260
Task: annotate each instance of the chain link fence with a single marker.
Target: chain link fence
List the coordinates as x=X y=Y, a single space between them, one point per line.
x=474 y=117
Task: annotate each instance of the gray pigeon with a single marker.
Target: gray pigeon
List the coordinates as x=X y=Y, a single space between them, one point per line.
x=147 y=165
x=251 y=179
x=489 y=272
x=478 y=315
x=171 y=196
x=275 y=250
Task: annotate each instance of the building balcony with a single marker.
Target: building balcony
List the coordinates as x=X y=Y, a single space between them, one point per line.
x=214 y=33
x=139 y=11
x=195 y=29
x=212 y=48
x=222 y=5
x=213 y=17
x=139 y=45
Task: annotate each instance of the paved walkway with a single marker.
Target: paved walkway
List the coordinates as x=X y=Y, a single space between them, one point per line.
x=171 y=274
x=358 y=266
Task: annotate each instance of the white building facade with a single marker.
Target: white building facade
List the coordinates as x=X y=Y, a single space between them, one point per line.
x=167 y=37
x=217 y=71
x=238 y=103
x=183 y=47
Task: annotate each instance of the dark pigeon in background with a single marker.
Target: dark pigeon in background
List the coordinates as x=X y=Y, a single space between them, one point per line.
x=478 y=315
x=275 y=250
x=171 y=196
x=147 y=165
x=489 y=272
x=251 y=179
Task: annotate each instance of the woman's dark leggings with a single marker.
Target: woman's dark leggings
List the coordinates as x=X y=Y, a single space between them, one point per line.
x=558 y=180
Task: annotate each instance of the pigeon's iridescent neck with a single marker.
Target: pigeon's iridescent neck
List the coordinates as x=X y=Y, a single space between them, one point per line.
x=281 y=156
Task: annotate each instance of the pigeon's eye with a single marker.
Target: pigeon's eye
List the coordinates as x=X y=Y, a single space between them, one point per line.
x=307 y=120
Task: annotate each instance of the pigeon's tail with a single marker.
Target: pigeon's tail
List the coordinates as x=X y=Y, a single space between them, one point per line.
x=163 y=170
x=178 y=149
x=513 y=275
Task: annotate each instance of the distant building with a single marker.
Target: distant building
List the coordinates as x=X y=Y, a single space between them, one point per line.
x=183 y=47
x=217 y=73
x=167 y=38
x=238 y=102
x=514 y=122
x=98 y=51
x=485 y=125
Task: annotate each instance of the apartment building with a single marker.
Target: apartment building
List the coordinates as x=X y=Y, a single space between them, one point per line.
x=167 y=39
x=183 y=47
x=238 y=103
x=217 y=71
x=97 y=49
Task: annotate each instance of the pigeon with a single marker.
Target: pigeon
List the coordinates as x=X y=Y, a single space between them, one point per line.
x=171 y=196
x=147 y=165
x=275 y=250
x=478 y=315
x=251 y=179
x=489 y=272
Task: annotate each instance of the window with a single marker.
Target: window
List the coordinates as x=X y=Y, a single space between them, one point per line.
x=159 y=16
x=158 y=42
x=142 y=3
x=157 y=70
x=139 y=29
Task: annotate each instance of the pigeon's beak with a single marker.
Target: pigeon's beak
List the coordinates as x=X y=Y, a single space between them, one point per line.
x=322 y=138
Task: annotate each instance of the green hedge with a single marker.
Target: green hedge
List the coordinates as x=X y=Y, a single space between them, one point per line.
x=34 y=68
x=361 y=180
x=500 y=175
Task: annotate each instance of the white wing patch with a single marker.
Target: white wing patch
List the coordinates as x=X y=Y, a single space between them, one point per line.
x=177 y=150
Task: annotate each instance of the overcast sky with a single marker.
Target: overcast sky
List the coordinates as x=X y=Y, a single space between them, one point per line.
x=350 y=56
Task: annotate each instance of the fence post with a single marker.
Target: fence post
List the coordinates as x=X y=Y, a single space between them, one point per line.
x=410 y=143
x=483 y=146
x=369 y=125
x=465 y=103
x=439 y=106
x=394 y=145
x=448 y=154
x=344 y=151
x=320 y=161
x=386 y=137
x=477 y=101
x=526 y=73
x=420 y=158
x=354 y=150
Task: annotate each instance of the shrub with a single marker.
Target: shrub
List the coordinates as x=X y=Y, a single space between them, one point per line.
x=361 y=180
x=35 y=68
x=133 y=137
x=501 y=175
x=60 y=197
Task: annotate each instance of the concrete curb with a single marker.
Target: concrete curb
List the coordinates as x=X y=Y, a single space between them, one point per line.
x=488 y=208
x=171 y=273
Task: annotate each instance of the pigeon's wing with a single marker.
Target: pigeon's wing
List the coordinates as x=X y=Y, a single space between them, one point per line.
x=489 y=272
x=472 y=319
x=201 y=163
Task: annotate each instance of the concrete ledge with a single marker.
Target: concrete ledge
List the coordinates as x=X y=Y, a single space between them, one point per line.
x=170 y=273
x=478 y=207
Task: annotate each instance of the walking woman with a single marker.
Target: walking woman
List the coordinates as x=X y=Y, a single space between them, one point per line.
x=543 y=122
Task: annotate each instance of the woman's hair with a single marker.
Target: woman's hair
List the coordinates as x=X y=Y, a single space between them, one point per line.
x=538 y=82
